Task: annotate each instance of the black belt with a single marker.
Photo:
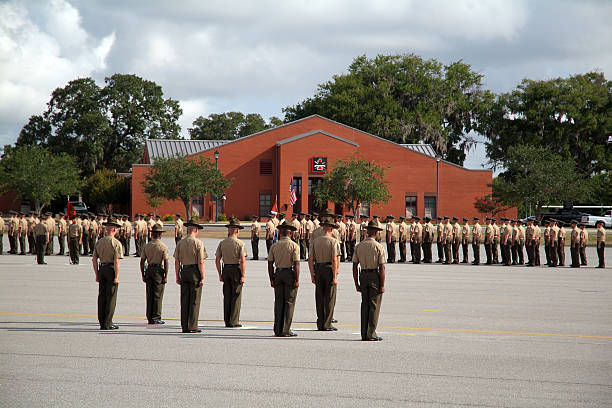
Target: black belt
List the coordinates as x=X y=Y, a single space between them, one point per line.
x=230 y=264
x=106 y=264
x=155 y=265
x=190 y=266
x=323 y=264
x=284 y=269
x=369 y=270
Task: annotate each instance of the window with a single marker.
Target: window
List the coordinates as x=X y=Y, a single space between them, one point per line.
x=411 y=206
x=430 y=207
x=265 y=168
x=265 y=204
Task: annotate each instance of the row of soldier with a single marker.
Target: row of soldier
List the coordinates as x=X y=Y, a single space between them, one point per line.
x=510 y=238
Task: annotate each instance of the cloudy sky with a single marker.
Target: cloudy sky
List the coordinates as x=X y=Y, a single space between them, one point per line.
x=260 y=56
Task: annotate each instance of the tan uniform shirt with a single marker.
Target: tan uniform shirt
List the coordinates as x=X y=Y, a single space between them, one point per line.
x=297 y=225
x=465 y=233
x=23 y=226
x=529 y=231
x=275 y=221
x=108 y=249
x=342 y=231
x=270 y=228
x=537 y=234
x=507 y=231
x=440 y=232
x=456 y=232
x=74 y=231
x=489 y=234
x=94 y=229
x=391 y=231
x=178 y=227
x=497 y=233
x=562 y=234
x=584 y=237
x=369 y=254
x=155 y=252
x=601 y=234
x=128 y=228
x=403 y=231
x=31 y=223
x=150 y=224
x=255 y=228
x=547 y=235
x=362 y=230
x=13 y=226
x=302 y=229
x=63 y=227
x=316 y=223
x=428 y=232
x=515 y=234
x=418 y=232
x=476 y=234
x=2 y=225
x=159 y=222
x=190 y=251
x=85 y=226
x=41 y=229
x=231 y=250
x=554 y=234
x=448 y=233
x=521 y=234
x=284 y=253
x=324 y=249
x=575 y=237
x=310 y=227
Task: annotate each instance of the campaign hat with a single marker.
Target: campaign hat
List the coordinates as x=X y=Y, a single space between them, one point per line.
x=157 y=228
x=193 y=223
x=286 y=225
x=112 y=222
x=374 y=226
x=234 y=223
x=329 y=224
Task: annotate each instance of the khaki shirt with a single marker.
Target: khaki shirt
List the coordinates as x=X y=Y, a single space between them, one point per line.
x=391 y=231
x=255 y=227
x=584 y=237
x=554 y=234
x=465 y=232
x=155 y=252
x=316 y=223
x=418 y=232
x=369 y=254
x=231 y=250
x=351 y=230
x=190 y=251
x=456 y=232
x=440 y=231
x=85 y=225
x=94 y=229
x=309 y=228
x=284 y=253
x=23 y=226
x=342 y=231
x=178 y=227
x=270 y=228
x=529 y=231
x=448 y=233
x=160 y=223
x=575 y=237
x=2 y=225
x=13 y=226
x=41 y=229
x=601 y=234
x=547 y=234
x=489 y=234
x=108 y=249
x=297 y=225
x=521 y=234
x=31 y=223
x=51 y=225
x=515 y=234
x=428 y=232
x=562 y=234
x=74 y=231
x=537 y=234
x=275 y=221
x=302 y=229
x=476 y=234
x=362 y=230
x=63 y=227
x=324 y=249
x=127 y=226
x=403 y=231
x=497 y=231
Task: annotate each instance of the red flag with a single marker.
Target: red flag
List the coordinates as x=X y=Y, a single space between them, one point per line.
x=274 y=210
x=70 y=211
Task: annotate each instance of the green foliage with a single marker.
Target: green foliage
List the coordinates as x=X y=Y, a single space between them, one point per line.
x=405 y=99
x=105 y=187
x=103 y=127
x=571 y=116
x=37 y=174
x=537 y=176
x=351 y=182
x=229 y=125
x=488 y=205
x=167 y=217
x=178 y=178
x=221 y=217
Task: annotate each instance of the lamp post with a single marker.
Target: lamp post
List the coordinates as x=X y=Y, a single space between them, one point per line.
x=216 y=159
x=437 y=185
x=215 y=197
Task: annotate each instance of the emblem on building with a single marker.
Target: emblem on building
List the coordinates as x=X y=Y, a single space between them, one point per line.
x=319 y=164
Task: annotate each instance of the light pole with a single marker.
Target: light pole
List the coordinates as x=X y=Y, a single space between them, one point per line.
x=215 y=197
x=216 y=159
x=437 y=185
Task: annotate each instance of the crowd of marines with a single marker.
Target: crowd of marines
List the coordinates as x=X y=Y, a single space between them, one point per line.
x=324 y=240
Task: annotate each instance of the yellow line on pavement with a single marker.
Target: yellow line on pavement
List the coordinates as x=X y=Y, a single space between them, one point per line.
x=423 y=329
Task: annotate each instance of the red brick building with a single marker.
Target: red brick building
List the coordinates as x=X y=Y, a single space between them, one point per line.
x=264 y=164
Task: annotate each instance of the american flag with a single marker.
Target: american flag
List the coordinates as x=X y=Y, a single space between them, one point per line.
x=292 y=196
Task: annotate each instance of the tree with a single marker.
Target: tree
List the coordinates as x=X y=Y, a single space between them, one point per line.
x=103 y=127
x=571 y=116
x=537 y=176
x=230 y=125
x=351 y=182
x=178 y=178
x=405 y=99
x=154 y=202
x=37 y=174
x=489 y=205
x=105 y=187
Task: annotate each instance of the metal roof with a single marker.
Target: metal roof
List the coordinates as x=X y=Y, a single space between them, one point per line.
x=425 y=149
x=314 y=132
x=170 y=148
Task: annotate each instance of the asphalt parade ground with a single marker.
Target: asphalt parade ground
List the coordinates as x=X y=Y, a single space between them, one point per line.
x=456 y=335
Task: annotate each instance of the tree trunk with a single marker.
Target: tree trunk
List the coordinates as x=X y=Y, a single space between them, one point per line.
x=187 y=212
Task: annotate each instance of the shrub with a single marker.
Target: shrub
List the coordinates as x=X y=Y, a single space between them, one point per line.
x=167 y=217
x=221 y=217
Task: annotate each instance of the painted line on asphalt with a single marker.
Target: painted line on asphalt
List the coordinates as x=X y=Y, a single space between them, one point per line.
x=422 y=329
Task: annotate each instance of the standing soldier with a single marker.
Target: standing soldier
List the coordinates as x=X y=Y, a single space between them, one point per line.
x=189 y=256
x=32 y=221
x=61 y=233
x=342 y=235
x=521 y=243
x=537 y=236
x=362 y=227
x=150 y=223
x=376 y=218
x=403 y=234
x=561 y=244
x=440 y=239
x=315 y=220
x=476 y=240
x=515 y=242
x=370 y=255
x=231 y=251
x=296 y=223
x=85 y=226
x=52 y=227
x=310 y=227
x=601 y=243
x=23 y=232
x=2 y=228
x=584 y=240
x=109 y=251
x=448 y=240
x=13 y=232
x=496 y=241
x=418 y=239
x=390 y=238
x=302 y=235
x=530 y=242
x=465 y=240
x=488 y=241
x=41 y=234
x=155 y=274
x=546 y=224
x=554 y=243
x=351 y=236
x=285 y=279
x=428 y=235
x=503 y=241
x=178 y=228
x=456 y=239
x=94 y=230
x=323 y=262
x=270 y=228
x=127 y=226
x=255 y=227
x=575 y=245
x=412 y=232
x=143 y=232
x=75 y=235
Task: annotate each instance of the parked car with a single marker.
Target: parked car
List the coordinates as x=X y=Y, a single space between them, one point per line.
x=530 y=218
x=565 y=214
x=79 y=207
x=590 y=220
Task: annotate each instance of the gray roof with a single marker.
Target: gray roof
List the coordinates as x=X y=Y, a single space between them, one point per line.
x=169 y=148
x=425 y=149
x=314 y=132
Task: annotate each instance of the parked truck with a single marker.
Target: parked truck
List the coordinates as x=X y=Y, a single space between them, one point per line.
x=590 y=220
